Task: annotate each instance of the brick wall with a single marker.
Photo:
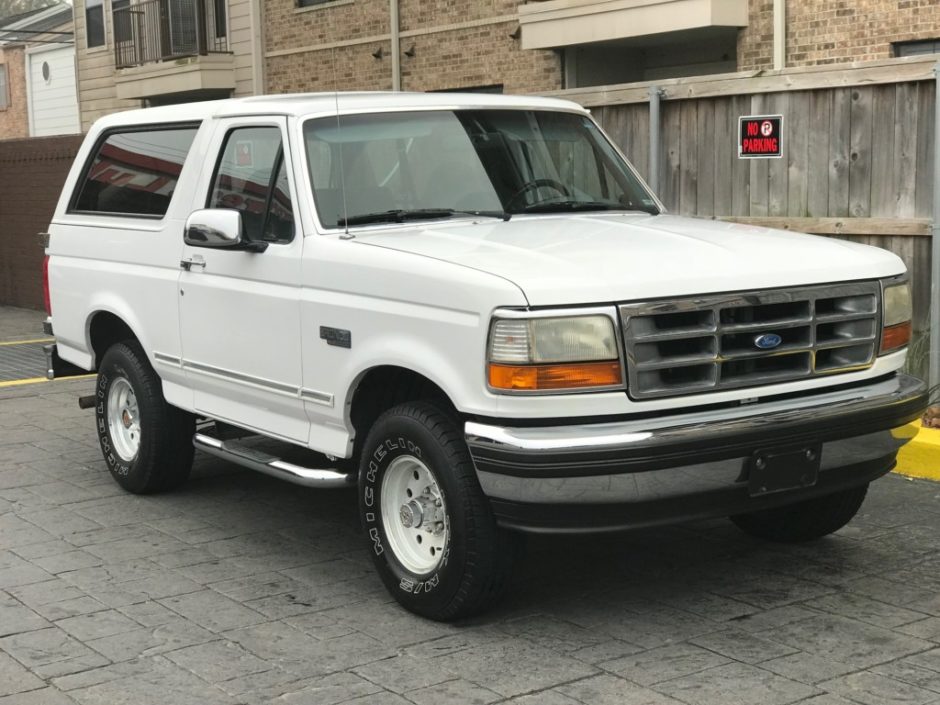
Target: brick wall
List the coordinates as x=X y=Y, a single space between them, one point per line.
x=457 y=44
x=834 y=31
x=32 y=172
x=14 y=121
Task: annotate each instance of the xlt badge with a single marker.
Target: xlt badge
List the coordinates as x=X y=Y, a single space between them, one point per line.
x=339 y=337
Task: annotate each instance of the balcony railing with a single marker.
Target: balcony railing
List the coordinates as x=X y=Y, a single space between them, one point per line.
x=160 y=30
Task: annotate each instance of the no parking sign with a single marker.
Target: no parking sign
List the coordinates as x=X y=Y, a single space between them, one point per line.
x=760 y=136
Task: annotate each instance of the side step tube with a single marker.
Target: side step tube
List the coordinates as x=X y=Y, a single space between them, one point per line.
x=270 y=465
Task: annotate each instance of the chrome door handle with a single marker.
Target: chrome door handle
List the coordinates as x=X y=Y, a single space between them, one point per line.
x=188 y=264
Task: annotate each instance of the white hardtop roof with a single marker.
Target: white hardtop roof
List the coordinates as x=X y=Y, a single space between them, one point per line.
x=303 y=104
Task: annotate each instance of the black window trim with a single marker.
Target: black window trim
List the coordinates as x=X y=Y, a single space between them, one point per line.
x=898 y=47
x=104 y=27
x=126 y=130
x=276 y=165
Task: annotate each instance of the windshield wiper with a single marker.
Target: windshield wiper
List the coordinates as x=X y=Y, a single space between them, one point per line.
x=402 y=215
x=571 y=206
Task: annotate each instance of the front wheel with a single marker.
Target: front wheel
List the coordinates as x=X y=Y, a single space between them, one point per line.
x=147 y=443
x=431 y=532
x=806 y=520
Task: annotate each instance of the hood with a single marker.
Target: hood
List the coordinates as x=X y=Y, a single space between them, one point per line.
x=604 y=257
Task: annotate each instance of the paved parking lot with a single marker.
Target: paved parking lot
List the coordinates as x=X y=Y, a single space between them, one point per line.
x=241 y=589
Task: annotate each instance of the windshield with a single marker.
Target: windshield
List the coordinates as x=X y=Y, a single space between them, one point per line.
x=389 y=167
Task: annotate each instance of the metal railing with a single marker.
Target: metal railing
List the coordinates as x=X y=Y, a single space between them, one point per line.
x=159 y=30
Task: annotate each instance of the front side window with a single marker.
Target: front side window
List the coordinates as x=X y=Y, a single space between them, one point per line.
x=94 y=23
x=252 y=178
x=389 y=167
x=134 y=173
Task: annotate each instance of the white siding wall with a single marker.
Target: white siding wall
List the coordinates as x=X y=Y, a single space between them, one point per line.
x=239 y=38
x=53 y=104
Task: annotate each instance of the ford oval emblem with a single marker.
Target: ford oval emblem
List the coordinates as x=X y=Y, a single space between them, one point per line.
x=768 y=341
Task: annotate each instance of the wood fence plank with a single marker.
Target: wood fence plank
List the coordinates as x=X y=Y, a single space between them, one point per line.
x=923 y=196
x=860 y=154
x=688 y=157
x=920 y=284
x=817 y=170
x=726 y=154
x=640 y=135
x=798 y=128
x=705 y=147
x=905 y=147
x=914 y=228
x=777 y=171
x=669 y=157
x=740 y=168
x=840 y=124
x=883 y=187
x=760 y=179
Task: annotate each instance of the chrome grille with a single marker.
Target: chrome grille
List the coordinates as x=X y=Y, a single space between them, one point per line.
x=708 y=343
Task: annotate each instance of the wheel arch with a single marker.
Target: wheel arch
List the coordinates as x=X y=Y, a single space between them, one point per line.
x=381 y=387
x=104 y=328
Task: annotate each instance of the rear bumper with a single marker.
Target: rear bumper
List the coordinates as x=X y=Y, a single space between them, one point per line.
x=56 y=367
x=634 y=473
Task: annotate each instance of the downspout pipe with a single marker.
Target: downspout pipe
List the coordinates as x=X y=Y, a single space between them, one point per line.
x=780 y=34
x=934 y=352
x=395 y=32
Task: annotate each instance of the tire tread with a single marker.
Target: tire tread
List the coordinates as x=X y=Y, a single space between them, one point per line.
x=804 y=521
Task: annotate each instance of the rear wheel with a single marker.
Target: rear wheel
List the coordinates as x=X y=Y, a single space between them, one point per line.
x=806 y=520
x=146 y=443
x=431 y=532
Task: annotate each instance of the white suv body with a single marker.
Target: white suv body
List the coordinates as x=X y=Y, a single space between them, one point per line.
x=282 y=339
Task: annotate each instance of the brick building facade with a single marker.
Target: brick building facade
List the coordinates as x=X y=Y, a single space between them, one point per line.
x=14 y=118
x=830 y=32
x=445 y=44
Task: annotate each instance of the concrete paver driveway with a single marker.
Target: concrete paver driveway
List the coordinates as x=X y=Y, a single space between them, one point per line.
x=241 y=589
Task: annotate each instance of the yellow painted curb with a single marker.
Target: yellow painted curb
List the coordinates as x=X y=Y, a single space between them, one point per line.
x=40 y=380
x=921 y=457
x=27 y=342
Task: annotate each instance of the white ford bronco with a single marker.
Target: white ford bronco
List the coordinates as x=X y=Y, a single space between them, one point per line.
x=473 y=310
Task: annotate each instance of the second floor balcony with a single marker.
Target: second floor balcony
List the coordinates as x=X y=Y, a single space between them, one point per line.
x=168 y=47
x=162 y=30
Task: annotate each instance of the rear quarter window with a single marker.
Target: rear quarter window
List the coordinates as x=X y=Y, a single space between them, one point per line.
x=134 y=172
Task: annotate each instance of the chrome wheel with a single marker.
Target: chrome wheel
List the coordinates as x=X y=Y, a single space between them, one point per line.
x=414 y=515
x=123 y=419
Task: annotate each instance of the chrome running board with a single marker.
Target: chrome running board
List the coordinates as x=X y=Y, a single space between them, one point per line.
x=259 y=460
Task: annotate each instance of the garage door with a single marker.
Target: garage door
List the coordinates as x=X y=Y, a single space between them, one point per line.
x=53 y=102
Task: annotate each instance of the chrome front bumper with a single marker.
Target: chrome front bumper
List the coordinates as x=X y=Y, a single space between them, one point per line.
x=667 y=468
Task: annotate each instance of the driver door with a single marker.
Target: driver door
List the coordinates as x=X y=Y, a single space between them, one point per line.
x=239 y=309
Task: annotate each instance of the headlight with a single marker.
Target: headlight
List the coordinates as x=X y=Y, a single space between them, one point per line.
x=896 y=322
x=553 y=354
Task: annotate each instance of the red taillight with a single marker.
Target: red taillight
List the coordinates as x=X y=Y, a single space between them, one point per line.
x=45 y=285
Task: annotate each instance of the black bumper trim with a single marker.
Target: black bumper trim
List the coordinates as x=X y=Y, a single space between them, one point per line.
x=595 y=518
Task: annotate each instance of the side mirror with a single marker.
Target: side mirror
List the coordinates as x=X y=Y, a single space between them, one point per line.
x=219 y=228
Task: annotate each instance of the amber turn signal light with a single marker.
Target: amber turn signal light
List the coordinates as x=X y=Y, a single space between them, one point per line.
x=534 y=378
x=894 y=337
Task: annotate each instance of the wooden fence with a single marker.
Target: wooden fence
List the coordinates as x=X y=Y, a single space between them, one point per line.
x=857 y=155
